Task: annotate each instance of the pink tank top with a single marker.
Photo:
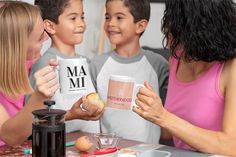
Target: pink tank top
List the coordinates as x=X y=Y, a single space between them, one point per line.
x=199 y=102
x=12 y=106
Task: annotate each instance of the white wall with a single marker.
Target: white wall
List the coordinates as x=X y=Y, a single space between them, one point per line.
x=153 y=36
x=29 y=1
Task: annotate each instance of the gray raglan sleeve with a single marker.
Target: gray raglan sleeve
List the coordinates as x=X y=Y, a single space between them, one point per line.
x=95 y=67
x=42 y=62
x=93 y=73
x=163 y=75
x=160 y=65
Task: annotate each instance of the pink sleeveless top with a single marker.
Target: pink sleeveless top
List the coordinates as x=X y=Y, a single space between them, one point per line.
x=199 y=102
x=12 y=106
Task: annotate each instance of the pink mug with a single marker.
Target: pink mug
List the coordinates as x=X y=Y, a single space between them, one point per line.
x=122 y=92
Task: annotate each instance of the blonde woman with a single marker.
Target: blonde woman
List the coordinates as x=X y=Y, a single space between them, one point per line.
x=22 y=36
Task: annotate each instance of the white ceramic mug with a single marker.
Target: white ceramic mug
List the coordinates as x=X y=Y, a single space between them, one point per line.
x=122 y=92
x=73 y=75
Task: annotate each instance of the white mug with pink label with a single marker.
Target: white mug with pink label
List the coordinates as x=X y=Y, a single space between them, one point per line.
x=122 y=92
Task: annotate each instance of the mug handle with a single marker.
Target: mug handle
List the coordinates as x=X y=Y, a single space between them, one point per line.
x=135 y=91
x=57 y=69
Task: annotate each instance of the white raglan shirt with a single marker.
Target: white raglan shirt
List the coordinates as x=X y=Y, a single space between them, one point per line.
x=66 y=101
x=142 y=67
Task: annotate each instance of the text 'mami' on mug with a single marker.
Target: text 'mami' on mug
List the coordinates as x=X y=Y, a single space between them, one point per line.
x=73 y=75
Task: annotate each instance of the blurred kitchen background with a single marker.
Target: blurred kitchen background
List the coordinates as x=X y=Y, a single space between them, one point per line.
x=95 y=41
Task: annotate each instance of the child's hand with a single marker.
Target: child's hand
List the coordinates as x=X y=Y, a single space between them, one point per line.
x=94 y=99
x=46 y=80
x=82 y=109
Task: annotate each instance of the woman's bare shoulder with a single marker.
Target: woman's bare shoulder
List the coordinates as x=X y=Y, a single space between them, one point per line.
x=229 y=69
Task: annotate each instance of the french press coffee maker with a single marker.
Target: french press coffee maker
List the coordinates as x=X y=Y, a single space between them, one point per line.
x=48 y=132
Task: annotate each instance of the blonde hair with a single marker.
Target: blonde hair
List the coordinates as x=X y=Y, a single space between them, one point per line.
x=17 y=20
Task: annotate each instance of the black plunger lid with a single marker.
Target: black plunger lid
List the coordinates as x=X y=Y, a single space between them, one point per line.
x=42 y=113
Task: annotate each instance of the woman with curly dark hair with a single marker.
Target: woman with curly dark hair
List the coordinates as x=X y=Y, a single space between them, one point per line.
x=200 y=109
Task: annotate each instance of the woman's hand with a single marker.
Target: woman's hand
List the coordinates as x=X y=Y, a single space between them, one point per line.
x=84 y=110
x=46 y=80
x=149 y=104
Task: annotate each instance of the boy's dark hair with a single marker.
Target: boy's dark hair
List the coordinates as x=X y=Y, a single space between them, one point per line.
x=52 y=9
x=206 y=29
x=140 y=9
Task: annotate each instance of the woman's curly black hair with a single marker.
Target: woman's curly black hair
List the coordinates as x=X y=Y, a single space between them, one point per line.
x=206 y=29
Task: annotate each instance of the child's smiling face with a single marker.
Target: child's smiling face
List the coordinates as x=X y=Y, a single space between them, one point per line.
x=119 y=24
x=71 y=26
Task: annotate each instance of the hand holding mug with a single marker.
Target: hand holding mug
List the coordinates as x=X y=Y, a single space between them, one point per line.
x=149 y=105
x=46 y=80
